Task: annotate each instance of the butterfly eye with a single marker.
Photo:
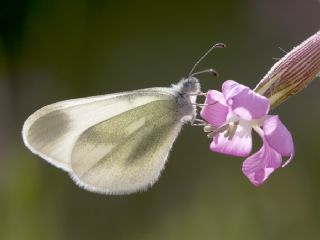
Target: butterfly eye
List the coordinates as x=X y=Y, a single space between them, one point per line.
x=187 y=84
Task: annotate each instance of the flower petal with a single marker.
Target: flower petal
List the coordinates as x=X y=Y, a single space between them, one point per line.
x=231 y=88
x=278 y=136
x=240 y=145
x=260 y=165
x=215 y=110
x=244 y=102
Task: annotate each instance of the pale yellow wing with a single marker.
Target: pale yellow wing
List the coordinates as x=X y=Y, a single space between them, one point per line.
x=127 y=152
x=52 y=131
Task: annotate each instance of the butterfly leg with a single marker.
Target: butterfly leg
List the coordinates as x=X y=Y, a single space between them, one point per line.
x=198 y=122
x=197 y=94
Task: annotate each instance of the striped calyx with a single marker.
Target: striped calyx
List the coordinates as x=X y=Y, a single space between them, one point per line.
x=292 y=73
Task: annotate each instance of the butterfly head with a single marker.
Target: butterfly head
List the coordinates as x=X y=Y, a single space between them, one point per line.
x=188 y=85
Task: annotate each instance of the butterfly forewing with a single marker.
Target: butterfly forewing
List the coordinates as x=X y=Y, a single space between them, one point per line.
x=52 y=131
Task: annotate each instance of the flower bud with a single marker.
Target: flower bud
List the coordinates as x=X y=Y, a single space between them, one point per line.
x=292 y=73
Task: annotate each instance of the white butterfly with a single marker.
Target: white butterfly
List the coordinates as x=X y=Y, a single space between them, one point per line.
x=114 y=143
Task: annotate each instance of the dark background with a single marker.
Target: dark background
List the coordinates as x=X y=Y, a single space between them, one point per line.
x=56 y=49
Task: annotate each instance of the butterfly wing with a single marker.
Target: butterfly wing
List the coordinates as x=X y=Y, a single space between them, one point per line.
x=127 y=152
x=52 y=131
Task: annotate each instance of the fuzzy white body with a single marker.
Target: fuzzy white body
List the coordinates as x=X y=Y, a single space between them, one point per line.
x=114 y=143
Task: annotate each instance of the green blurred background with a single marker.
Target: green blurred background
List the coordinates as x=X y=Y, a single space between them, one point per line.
x=57 y=49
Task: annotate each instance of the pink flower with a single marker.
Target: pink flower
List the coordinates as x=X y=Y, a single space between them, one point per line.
x=231 y=116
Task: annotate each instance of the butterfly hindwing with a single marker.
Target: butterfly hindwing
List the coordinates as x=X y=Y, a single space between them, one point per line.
x=127 y=152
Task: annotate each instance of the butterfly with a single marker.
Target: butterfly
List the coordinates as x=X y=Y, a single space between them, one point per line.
x=114 y=143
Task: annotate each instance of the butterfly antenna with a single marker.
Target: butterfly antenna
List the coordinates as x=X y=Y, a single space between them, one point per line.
x=217 y=45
